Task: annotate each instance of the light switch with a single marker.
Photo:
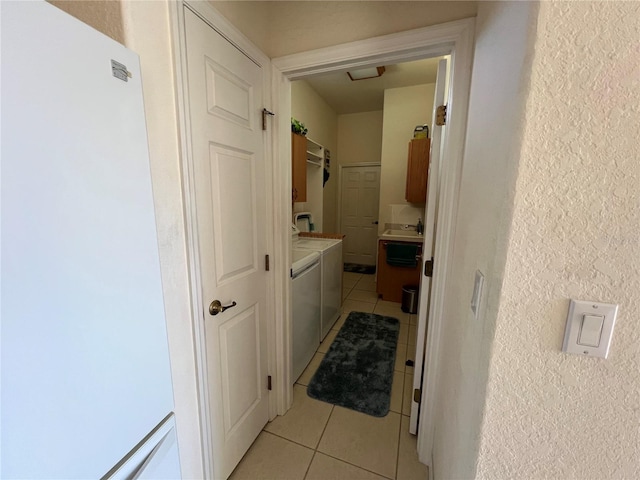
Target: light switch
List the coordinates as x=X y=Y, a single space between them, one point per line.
x=477 y=293
x=591 y=330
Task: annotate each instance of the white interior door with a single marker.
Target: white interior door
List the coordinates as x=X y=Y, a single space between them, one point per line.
x=360 y=194
x=430 y=216
x=225 y=101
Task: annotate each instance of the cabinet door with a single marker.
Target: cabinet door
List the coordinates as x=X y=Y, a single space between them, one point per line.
x=417 y=170
x=390 y=279
x=299 y=167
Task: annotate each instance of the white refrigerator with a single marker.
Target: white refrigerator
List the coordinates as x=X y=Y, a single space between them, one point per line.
x=86 y=384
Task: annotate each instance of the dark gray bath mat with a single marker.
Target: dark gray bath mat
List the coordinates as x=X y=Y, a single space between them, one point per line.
x=357 y=371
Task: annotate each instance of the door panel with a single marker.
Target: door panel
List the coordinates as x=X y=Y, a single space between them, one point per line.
x=225 y=102
x=240 y=352
x=233 y=201
x=228 y=95
x=360 y=192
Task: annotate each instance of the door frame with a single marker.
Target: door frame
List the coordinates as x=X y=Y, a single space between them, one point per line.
x=453 y=38
x=220 y=24
x=340 y=174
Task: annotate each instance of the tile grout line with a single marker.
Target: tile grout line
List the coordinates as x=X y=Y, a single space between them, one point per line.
x=309 y=466
x=398 y=449
x=357 y=466
x=331 y=456
x=333 y=407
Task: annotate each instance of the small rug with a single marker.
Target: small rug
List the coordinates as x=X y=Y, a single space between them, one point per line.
x=357 y=268
x=357 y=371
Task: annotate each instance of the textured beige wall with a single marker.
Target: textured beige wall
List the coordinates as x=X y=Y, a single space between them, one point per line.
x=404 y=108
x=575 y=234
x=322 y=122
x=103 y=15
x=283 y=27
x=360 y=137
x=504 y=32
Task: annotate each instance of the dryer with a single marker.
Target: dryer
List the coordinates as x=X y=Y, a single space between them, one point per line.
x=305 y=279
x=331 y=267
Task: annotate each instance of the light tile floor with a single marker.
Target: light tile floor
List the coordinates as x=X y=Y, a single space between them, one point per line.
x=320 y=441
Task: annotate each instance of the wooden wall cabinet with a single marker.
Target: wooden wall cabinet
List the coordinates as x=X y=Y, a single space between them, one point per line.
x=417 y=170
x=390 y=279
x=299 y=167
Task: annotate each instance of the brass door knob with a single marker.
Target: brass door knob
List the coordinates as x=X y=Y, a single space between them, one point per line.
x=216 y=307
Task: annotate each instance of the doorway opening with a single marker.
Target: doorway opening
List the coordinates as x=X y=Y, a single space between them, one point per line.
x=454 y=39
x=371 y=122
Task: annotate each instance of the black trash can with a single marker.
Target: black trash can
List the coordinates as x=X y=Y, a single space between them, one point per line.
x=410 y=299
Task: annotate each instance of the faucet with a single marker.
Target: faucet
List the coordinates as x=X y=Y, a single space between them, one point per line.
x=409 y=227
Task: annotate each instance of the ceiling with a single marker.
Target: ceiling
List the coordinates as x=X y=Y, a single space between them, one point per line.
x=346 y=96
x=281 y=28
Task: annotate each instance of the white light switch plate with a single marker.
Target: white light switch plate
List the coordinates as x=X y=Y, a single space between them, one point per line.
x=582 y=335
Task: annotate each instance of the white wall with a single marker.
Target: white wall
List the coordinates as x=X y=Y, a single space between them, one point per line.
x=404 y=109
x=497 y=96
x=322 y=122
x=575 y=234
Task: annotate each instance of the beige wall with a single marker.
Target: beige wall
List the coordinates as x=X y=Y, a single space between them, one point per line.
x=360 y=137
x=404 y=108
x=359 y=141
x=575 y=234
x=306 y=25
x=322 y=122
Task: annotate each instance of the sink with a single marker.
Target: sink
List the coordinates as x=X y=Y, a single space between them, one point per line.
x=401 y=235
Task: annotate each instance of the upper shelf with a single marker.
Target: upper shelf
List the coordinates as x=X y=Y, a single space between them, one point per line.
x=315 y=153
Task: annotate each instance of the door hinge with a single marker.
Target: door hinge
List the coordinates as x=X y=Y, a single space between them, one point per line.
x=428 y=268
x=441 y=115
x=269 y=382
x=417 y=395
x=265 y=112
x=266 y=262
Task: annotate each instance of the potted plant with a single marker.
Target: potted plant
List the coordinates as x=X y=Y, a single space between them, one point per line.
x=298 y=127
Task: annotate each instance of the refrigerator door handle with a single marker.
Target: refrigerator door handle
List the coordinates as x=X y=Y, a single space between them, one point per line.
x=158 y=452
x=156 y=457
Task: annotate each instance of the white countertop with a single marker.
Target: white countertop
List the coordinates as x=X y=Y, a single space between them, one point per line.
x=401 y=236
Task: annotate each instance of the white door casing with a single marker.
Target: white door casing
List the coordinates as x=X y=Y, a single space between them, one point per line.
x=453 y=38
x=430 y=216
x=225 y=104
x=359 y=203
